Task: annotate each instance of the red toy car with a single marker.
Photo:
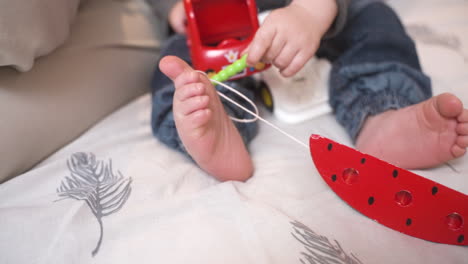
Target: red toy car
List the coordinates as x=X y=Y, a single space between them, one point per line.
x=218 y=31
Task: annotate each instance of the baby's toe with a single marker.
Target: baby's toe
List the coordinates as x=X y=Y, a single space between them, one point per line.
x=462 y=141
x=189 y=90
x=448 y=105
x=199 y=118
x=187 y=77
x=193 y=104
x=463 y=117
x=458 y=151
x=462 y=129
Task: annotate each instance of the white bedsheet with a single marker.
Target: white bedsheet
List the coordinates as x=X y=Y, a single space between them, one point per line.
x=171 y=212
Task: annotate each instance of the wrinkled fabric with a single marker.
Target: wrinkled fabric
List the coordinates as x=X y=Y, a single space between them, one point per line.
x=363 y=90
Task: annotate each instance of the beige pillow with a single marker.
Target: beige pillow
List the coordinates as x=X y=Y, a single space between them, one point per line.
x=33 y=28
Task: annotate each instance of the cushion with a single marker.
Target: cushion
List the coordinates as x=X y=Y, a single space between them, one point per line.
x=33 y=28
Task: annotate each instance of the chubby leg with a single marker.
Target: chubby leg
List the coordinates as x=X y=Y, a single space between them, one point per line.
x=383 y=99
x=420 y=136
x=204 y=128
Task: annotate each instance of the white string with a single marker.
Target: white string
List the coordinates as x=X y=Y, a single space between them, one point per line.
x=256 y=114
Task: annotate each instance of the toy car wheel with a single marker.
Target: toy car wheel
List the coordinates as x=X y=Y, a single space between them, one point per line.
x=265 y=96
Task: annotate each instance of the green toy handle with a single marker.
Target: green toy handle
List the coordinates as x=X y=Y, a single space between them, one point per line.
x=231 y=70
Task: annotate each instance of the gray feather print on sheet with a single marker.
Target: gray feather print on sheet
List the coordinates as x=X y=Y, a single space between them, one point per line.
x=95 y=182
x=318 y=249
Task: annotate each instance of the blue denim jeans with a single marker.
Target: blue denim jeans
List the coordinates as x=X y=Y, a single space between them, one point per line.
x=375 y=68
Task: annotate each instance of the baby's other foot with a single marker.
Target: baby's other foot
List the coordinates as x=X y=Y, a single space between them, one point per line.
x=419 y=136
x=206 y=131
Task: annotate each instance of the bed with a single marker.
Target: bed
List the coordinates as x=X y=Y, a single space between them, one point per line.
x=156 y=206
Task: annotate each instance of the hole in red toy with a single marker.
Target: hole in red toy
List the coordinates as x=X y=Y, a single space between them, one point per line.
x=454 y=221
x=409 y=221
x=403 y=198
x=350 y=176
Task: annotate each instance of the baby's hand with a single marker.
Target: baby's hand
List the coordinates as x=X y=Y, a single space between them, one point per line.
x=177 y=18
x=290 y=36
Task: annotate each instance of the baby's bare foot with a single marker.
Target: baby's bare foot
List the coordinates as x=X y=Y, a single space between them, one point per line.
x=208 y=134
x=419 y=136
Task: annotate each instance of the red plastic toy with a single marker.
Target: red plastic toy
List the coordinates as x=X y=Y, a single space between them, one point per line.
x=218 y=31
x=392 y=196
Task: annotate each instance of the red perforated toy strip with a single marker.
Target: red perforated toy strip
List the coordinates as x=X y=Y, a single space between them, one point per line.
x=394 y=197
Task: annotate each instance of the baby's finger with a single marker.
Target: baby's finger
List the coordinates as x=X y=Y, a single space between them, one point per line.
x=260 y=44
x=295 y=66
x=283 y=60
x=274 y=50
x=180 y=27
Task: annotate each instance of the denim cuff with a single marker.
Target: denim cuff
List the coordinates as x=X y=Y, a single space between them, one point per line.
x=353 y=119
x=162 y=118
x=363 y=90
